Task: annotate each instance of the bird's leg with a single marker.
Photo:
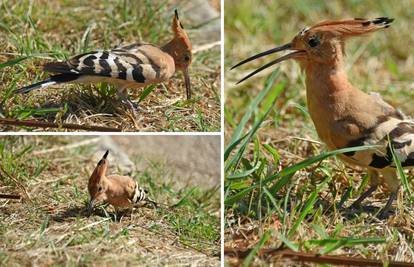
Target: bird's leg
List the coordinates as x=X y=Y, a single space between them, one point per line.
x=123 y=98
x=374 y=181
x=384 y=212
x=131 y=213
x=344 y=197
x=391 y=179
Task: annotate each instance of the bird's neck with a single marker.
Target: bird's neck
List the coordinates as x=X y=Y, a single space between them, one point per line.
x=327 y=80
x=329 y=95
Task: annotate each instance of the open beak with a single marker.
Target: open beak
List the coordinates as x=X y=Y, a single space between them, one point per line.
x=187 y=83
x=295 y=54
x=90 y=206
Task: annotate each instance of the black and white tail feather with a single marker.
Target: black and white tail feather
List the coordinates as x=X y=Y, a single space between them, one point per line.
x=55 y=79
x=141 y=196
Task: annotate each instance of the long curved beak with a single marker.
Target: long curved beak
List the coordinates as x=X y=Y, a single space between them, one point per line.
x=295 y=54
x=90 y=206
x=187 y=83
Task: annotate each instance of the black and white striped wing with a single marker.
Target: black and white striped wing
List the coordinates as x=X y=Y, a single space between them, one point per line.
x=401 y=134
x=134 y=66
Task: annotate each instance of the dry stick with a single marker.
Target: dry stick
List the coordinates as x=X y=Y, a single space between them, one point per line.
x=71 y=126
x=206 y=47
x=309 y=257
x=15 y=181
x=8 y=196
x=71 y=146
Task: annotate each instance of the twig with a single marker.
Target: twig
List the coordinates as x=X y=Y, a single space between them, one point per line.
x=71 y=146
x=206 y=47
x=15 y=181
x=94 y=223
x=71 y=126
x=310 y=257
x=8 y=196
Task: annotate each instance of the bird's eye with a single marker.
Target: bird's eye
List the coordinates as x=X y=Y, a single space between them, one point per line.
x=314 y=41
x=187 y=58
x=100 y=188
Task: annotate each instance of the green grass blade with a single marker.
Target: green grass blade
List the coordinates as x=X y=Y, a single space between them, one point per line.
x=308 y=207
x=331 y=244
x=307 y=162
x=234 y=161
x=13 y=62
x=239 y=195
x=289 y=244
x=254 y=251
x=288 y=172
x=232 y=146
x=184 y=199
x=400 y=170
x=252 y=107
x=243 y=174
x=146 y=92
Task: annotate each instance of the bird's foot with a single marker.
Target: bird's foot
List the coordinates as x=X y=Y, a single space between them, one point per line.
x=385 y=213
x=131 y=106
x=355 y=206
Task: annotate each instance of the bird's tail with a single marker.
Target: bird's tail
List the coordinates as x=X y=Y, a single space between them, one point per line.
x=141 y=195
x=55 y=79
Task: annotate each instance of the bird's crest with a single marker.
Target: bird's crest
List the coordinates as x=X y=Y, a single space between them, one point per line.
x=100 y=170
x=179 y=33
x=352 y=27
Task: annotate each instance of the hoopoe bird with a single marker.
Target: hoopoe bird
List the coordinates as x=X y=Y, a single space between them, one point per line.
x=133 y=66
x=117 y=190
x=343 y=115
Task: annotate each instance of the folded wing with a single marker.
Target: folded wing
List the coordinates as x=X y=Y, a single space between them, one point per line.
x=139 y=63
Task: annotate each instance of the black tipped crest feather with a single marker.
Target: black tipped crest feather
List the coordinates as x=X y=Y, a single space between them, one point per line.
x=176 y=16
x=382 y=20
x=106 y=154
x=103 y=158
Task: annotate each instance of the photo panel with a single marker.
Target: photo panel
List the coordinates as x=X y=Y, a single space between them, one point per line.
x=139 y=200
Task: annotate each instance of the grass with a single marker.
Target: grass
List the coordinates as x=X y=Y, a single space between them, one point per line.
x=52 y=228
x=281 y=185
x=35 y=32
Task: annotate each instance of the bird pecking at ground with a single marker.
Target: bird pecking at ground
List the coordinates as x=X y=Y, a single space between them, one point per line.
x=117 y=190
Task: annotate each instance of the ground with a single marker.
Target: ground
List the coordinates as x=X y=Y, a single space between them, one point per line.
x=49 y=225
x=35 y=32
x=273 y=203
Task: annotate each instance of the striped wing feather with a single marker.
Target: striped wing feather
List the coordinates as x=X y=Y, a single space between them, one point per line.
x=129 y=63
x=401 y=134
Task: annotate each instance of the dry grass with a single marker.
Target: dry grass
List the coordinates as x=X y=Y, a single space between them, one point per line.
x=52 y=229
x=45 y=31
x=380 y=63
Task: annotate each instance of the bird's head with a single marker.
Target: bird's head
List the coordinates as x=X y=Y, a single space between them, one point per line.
x=180 y=49
x=323 y=43
x=97 y=184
